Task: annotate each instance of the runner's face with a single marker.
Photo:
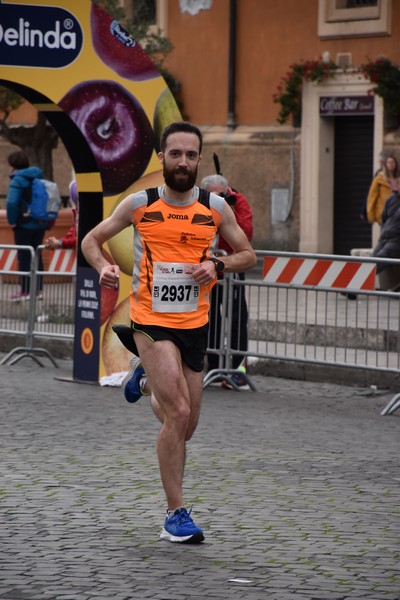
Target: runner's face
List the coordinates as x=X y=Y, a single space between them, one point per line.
x=180 y=161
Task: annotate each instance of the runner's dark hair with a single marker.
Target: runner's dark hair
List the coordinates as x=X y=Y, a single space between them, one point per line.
x=178 y=127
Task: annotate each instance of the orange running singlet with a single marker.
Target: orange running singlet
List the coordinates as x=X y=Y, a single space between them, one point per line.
x=169 y=240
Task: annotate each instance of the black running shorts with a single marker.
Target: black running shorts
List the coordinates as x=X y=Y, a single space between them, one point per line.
x=192 y=343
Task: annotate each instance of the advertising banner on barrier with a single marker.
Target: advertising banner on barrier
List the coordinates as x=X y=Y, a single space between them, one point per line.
x=109 y=104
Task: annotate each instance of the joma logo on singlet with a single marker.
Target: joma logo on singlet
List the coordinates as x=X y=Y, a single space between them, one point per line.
x=182 y=217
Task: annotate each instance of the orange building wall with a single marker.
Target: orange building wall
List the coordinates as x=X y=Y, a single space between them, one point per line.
x=199 y=60
x=270 y=36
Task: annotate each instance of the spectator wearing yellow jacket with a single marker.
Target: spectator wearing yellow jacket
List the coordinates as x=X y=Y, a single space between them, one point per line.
x=382 y=186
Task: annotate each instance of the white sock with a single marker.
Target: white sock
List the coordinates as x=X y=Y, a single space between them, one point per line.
x=142 y=383
x=171 y=511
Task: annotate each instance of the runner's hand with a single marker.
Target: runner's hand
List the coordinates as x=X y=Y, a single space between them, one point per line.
x=205 y=272
x=109 y=276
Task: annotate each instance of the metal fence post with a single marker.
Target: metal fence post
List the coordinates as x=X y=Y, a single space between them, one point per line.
x=224 y=371
x=16 y=354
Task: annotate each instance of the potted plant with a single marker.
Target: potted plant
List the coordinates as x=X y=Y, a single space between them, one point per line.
x=386 y=79
x=288 y=93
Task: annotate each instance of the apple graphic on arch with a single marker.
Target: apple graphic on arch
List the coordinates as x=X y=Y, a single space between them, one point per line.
x=116 y=128
x=117 y=49
x=115 y=356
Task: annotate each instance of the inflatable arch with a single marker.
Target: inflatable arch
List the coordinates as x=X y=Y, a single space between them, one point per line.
x=108 y=102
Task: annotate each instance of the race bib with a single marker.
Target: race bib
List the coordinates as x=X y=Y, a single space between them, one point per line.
x=174 y=289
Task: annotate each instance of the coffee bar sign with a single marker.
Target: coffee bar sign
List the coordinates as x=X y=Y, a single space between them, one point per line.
x=346 y=105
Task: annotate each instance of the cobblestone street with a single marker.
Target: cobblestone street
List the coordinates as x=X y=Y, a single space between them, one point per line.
x=296 y=487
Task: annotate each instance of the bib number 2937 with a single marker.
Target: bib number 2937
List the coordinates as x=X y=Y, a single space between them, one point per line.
x=174 y=289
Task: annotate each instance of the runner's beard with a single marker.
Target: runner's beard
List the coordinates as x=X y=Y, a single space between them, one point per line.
x=179 y=185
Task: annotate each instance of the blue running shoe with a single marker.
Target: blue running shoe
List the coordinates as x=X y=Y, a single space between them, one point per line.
x=130 y=384
x=179 y=527
x=238 y=380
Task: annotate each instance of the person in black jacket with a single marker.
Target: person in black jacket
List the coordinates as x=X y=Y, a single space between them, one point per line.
x=388 y=245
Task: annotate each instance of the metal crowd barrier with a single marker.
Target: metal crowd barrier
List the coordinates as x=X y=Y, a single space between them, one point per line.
x=56 y=314
x=224 y=335
x=324 y=309
x=50 y=313
x=319 y=309
x=223 y=340
x=307 y=308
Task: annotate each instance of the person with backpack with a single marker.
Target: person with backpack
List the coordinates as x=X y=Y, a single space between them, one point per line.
x=28 y=231
x=176 y=229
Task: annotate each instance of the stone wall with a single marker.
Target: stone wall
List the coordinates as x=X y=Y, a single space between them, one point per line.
x=257 y=161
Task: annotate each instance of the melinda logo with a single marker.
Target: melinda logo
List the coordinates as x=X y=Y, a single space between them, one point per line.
x=25 y=36
x=38 y=36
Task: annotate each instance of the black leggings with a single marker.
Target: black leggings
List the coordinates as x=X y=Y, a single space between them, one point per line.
x=34 y=238
x=239 y=335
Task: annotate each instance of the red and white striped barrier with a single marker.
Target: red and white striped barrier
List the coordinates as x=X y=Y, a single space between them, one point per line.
x=63 y=261
x=8 y=260
x=319 y=273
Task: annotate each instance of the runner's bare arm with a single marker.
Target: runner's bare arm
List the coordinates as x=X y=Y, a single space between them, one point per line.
x=92 y=243
x=243 y=257
x=241 y=260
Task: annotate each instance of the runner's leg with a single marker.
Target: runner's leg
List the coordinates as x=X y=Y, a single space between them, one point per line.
x=176 y=390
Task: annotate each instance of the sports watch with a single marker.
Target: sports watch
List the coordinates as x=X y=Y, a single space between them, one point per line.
x=219 y=264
